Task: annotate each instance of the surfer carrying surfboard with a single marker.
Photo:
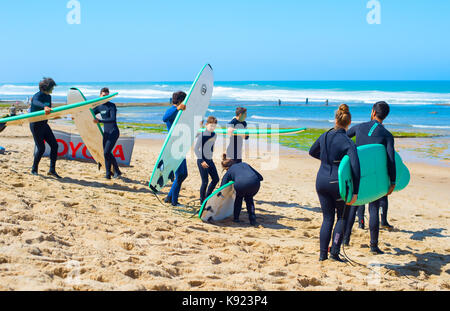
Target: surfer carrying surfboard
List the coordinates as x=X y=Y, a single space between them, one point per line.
x=234 y=149
x=247 y=182
x=181 y=173
x=204 y=148
x=111 y=133
x=41 y=131
x=373 y=132
x=330 y=148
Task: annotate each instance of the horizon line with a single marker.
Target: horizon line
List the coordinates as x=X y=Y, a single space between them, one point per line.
x=219 y=81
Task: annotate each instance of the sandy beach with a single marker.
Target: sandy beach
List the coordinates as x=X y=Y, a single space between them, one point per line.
x=86 y=233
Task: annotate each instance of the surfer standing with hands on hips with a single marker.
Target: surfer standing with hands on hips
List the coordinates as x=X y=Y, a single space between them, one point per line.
x=234 y=149
x=373 y=132
x=181 y=173
x=111 y=133
x=330 y=148
x=41 y=131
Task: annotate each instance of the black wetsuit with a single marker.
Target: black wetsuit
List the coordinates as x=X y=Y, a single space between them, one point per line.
x=42 y=132
x=204 y=149
x=181 y=173
x=111 y=134
x=234 y=149
x=330 y=148
x=373 y=133
x=247 y=182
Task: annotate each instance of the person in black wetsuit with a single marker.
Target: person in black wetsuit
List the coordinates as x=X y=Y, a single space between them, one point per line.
x=234 y=149
x=111 y=133
x=330 y=148
x=373 y=132
x=247 y=182
x=41 y=131
x=204 y=149
x=181 y=173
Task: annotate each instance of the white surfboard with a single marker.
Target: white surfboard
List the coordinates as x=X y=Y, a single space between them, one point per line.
x=183 y=131
x=91 y=133
x=219 y=205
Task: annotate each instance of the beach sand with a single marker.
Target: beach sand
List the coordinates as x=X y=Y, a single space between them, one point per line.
x=86 y=233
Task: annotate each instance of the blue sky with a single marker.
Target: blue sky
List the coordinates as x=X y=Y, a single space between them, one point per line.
x=146 y=40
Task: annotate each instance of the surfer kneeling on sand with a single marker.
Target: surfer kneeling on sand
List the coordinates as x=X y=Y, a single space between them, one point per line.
x=111 y=133
x=247 y=182
x=181 y=173
x=330 y=148
x=204 y=149
x=41 y=131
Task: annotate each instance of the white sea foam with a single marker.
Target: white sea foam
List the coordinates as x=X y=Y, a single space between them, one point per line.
x=248 y=93
x=276 y=118
x=410 y=98
x=27 y=90
x=431 y=126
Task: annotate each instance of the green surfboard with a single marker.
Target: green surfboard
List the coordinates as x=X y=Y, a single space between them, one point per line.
x=259 y=132
x=56 y=112
x=374 y=183
x=219 y=205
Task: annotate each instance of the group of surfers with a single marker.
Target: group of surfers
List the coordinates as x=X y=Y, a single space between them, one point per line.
x=329 y=148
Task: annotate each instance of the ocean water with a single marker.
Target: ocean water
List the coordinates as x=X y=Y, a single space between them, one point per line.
x=415 y=105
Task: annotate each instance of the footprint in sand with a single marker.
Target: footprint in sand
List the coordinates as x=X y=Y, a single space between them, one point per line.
x=305 y=281
x=278 y=273
x=196 y=283
x=128 y=246
x=133 y=273
x=163 y=287
x=215 y=260
x=198 y=228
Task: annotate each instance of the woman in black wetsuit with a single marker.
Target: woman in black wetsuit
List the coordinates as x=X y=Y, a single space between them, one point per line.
x=247 y=182
x=111 y=133
x=330 y=148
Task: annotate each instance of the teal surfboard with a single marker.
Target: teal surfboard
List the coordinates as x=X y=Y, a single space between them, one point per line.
x=184 y=129
x=219 y=205
x=56 y=112
x=374 y=182
x=258 y=132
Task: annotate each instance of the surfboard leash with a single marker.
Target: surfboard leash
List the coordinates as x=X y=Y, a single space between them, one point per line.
x=353 y=263
x=194 y=206
x=195 y=213
x=157 y=197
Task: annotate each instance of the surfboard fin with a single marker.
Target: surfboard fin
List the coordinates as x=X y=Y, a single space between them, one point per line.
x=161 y=165
x=172 y=176
x=161 y=181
